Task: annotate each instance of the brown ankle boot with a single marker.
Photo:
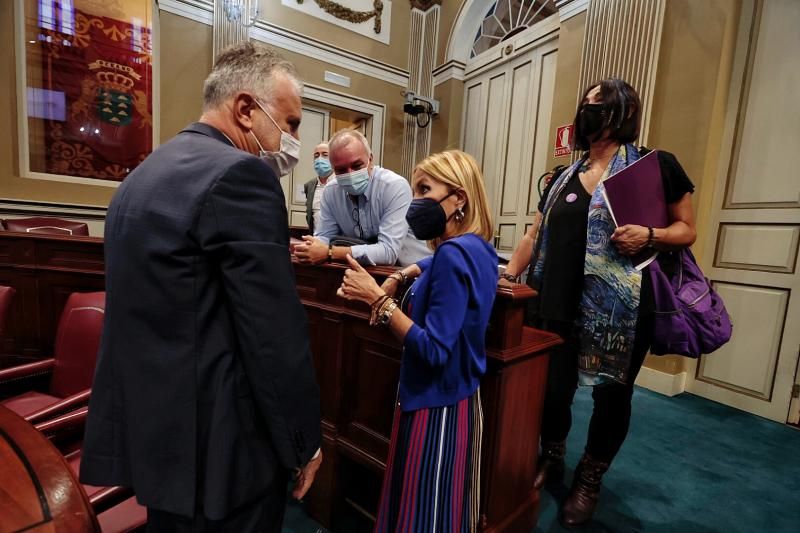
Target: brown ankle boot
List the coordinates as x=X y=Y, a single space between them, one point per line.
x=579 y=506
x=550 y=464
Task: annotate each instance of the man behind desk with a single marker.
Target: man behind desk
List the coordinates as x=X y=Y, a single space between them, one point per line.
x=366 y=202
x=204 y=397
x=314 y=188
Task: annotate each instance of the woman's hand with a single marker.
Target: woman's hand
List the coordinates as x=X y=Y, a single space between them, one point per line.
x=630 y=238
x=358 y=284
x=390 y=286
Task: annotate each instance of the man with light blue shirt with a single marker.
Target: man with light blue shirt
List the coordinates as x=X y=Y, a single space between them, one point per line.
x=366 y=202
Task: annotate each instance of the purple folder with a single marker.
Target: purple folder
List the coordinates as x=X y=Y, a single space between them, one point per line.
x=635 y=195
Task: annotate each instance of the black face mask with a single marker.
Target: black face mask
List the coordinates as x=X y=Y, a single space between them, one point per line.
x=427 y=218
x=591 y=120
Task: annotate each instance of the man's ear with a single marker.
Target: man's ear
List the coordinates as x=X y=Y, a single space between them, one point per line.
x=244 y=108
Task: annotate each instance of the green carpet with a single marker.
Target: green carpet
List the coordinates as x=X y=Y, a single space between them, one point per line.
x=688 y=465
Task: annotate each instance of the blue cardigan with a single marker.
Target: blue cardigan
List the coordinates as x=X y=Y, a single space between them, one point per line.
x=445 y=350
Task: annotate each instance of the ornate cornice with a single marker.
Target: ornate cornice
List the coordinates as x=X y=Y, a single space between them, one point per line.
x=345 y=13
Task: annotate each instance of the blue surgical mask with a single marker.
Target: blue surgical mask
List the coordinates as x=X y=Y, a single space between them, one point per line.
x=322 y=166
x=355 y=182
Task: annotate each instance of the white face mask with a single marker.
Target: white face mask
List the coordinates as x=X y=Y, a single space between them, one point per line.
x=283 y=161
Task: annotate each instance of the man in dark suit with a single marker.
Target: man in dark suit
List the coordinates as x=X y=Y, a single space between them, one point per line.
x=204 y=397
x=314 y=187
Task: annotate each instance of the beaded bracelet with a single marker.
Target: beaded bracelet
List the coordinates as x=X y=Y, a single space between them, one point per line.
x=382 y=313
x=400 y=276
x=385 y=316
x=509 y=277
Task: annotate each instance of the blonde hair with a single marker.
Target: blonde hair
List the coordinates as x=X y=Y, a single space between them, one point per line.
x=459 y=170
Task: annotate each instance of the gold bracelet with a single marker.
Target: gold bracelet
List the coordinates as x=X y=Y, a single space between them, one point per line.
x=386 y=315
x=376 y=309
x=379 y=311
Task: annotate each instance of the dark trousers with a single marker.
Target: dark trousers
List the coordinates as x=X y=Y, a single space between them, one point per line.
x=612 y=401
x=265 y=515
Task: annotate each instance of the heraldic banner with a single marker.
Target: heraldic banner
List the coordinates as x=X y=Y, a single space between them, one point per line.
x=104 y=68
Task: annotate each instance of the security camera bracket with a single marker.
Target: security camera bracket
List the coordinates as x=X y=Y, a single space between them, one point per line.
x=415 y=104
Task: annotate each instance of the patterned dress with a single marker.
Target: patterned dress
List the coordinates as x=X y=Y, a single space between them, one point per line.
x=432 y=480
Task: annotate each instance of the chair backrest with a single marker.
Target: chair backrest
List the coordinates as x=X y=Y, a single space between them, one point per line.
x=57 y=226
x=6 y=297
x=77 y=343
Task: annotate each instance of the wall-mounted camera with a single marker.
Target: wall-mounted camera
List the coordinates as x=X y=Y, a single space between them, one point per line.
x=420 y=106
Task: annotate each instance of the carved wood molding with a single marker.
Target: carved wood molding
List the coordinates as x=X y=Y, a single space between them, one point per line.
x=345 y=13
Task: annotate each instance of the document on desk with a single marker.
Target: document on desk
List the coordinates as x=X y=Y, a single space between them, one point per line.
x=635 y=195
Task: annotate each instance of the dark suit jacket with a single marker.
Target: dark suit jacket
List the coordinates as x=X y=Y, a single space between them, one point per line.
x=204 y=385
x=310 y=187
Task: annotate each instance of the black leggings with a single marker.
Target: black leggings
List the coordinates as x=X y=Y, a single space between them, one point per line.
x=612 y=401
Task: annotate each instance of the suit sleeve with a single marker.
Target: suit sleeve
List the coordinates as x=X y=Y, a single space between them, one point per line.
x=243 y=227
x=446 y=310
x=309 y=205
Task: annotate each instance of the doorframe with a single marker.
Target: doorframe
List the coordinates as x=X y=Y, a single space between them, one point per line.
x=376 y=110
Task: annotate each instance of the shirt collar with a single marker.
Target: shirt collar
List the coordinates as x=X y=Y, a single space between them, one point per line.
x=368 y=192
x=319 y=182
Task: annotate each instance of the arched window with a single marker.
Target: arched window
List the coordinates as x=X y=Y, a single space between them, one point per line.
x=507 y=18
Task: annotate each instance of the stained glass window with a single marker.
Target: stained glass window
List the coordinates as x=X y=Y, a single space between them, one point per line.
x=507 y=18
x=88 y=90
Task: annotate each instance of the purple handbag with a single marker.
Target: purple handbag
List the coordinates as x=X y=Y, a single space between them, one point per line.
x=690 y=317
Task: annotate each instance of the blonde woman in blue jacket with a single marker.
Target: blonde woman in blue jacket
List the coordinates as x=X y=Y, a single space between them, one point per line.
x=432 y=474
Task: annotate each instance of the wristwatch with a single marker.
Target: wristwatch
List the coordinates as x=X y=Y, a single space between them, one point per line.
x=386 y=315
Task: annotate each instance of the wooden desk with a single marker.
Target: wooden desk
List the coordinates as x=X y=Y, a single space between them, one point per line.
x=45 y=270
x=357 y=370
x=38 y=491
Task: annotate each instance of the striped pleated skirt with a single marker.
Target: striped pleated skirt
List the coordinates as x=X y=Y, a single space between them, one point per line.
x=432 y=480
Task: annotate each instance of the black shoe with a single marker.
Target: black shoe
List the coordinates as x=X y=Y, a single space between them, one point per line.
x=550 y=465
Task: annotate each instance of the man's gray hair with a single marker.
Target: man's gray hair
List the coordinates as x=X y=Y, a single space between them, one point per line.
x=342 y=137
x=245 y=67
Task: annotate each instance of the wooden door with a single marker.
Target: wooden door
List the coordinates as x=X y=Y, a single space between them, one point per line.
x=507 y=108
x=756 y=224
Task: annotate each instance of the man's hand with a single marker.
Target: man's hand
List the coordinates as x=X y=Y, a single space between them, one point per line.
x=305 y=477
x=311 y=250
x=630 y=238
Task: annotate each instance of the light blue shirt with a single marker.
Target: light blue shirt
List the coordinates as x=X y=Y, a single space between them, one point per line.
x=381 y=213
